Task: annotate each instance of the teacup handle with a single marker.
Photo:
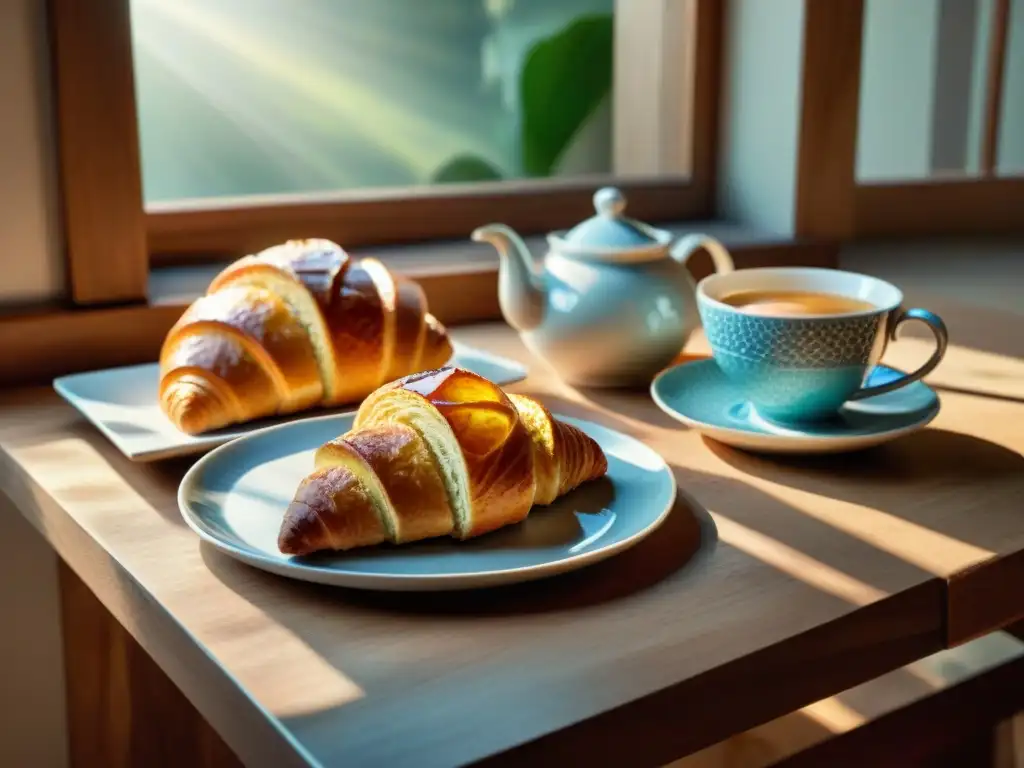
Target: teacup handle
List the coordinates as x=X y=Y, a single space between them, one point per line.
x=938 y=328
x=687 y=246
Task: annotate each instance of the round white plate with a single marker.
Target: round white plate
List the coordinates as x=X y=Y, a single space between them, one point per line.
x=235 y=498
x=699 y=395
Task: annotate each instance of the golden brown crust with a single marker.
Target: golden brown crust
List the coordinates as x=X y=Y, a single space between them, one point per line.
x=564 y=457
x=580 y=457
x=314 y=263
x=546 y=465
x=270 y=334
x=410 y=329
x=495 y=446
x=437 y=345
x=197 y=401
x=355 y=321
x=212 y=381
x=405 y=468
x=331 y=510
x=447 y=451
x=322 y=328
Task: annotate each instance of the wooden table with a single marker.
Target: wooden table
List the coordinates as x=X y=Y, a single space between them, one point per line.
x=812 y=576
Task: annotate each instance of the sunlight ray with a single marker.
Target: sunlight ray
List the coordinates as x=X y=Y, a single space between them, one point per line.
x=400 y=131
x=275 y=662
x=301 y=159
x=358 y=36
x=917 y=544
x=834 y=715
x=797 y=564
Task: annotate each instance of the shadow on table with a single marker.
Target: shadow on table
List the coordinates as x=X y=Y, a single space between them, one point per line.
x=986 y=353
x=934 y=478
x=733 y=603
x=806 y=548
x=635 y=402
x=687 y=536
x=758 y=524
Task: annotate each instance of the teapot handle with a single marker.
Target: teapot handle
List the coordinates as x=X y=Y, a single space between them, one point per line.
x=689 y=245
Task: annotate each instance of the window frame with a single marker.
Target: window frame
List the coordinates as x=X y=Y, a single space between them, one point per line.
x=831 y=202
x=112 y=239
x=100 y=181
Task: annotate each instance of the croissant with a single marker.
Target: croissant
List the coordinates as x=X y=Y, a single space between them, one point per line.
x=298 y=325
x=438 y=453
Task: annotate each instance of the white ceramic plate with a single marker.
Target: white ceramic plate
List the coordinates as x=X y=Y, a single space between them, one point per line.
x=122 y=404
x=235 y=498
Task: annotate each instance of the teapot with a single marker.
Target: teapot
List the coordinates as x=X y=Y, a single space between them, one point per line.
x=611 y=304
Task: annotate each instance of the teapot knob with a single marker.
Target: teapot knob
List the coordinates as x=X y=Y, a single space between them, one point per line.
x=609 y=202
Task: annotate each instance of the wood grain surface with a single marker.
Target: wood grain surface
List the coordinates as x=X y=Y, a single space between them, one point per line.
x=982 y=306
x=948 y=499
x=813 y=576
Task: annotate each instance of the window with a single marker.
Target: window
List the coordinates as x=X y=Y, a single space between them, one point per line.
x=241 y=97
x=912 y=115
x=941 y=91
x=231 y=124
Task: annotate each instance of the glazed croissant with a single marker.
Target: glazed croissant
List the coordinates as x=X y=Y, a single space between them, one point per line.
x=297 y=325
x=438 y=453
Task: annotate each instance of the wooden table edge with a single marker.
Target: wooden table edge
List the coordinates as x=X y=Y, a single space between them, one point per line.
x=656 y=729
x=977 y=600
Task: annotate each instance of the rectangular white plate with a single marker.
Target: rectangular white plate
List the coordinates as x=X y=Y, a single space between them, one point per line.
x=122 y=403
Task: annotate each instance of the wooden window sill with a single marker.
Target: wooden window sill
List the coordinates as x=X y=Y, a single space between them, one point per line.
x=439 y=259
x=459 y=277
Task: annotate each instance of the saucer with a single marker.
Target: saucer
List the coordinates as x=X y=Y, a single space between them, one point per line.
x=699 y=395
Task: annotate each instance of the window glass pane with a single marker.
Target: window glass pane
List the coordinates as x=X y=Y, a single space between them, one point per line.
x=1011 y=129
x=240 y=97
x=922 y=98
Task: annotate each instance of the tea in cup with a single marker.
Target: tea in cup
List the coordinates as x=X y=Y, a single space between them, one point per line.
x=800 y=342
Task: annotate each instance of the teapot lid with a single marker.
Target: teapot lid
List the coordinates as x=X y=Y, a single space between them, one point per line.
x=610 y=228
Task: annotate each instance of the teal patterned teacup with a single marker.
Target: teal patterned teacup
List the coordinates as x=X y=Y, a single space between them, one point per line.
x=805 y=367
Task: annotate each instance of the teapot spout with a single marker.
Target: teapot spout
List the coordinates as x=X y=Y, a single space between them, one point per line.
x=521 y=293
